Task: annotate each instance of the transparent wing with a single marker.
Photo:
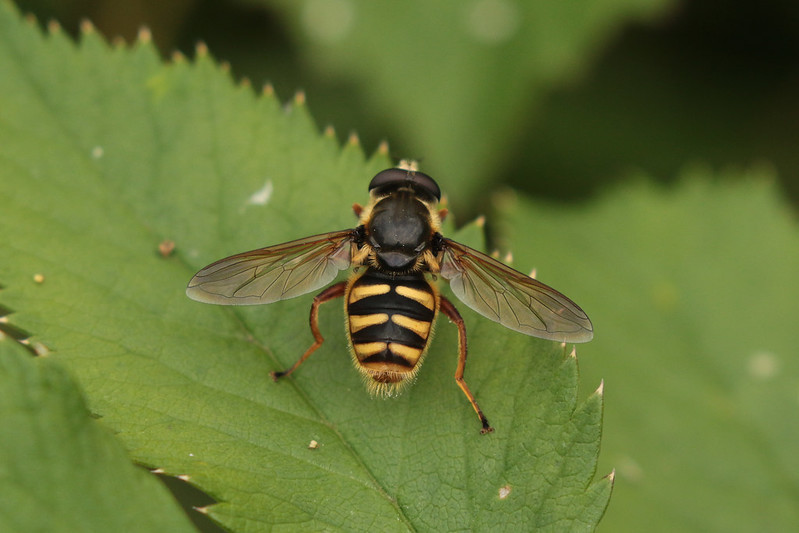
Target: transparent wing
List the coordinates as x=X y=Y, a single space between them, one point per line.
x=275 y=273
x=509 y=297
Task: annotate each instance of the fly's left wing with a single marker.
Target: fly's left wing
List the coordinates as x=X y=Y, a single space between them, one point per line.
x=275 y=273
x=507 y=296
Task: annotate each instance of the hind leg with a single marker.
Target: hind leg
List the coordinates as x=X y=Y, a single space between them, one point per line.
x=452 y=313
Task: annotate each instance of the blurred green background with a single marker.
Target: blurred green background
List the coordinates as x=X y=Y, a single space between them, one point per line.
x=561 y=100
x=558 y=99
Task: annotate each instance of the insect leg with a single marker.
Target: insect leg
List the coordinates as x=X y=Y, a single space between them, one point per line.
x=452 y=313
x=334 y=291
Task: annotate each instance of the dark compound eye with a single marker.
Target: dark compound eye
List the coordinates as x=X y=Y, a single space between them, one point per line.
x=394 y=178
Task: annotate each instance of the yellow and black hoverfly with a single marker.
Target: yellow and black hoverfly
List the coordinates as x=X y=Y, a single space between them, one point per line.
x=396 y=252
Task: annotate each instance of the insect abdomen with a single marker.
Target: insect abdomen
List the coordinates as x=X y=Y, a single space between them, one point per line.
x=390 y=324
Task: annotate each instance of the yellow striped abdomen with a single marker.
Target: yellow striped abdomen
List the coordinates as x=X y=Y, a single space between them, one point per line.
x=390 y=320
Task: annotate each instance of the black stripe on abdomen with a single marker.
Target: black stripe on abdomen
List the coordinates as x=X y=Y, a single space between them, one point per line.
x=390 y=318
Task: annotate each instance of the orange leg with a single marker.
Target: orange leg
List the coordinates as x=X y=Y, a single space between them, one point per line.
x=452 y=313
x=334 y=291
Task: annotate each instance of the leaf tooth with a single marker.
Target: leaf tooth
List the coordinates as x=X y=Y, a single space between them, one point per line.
x=224 y=65
x=144 y=36
x=9 y=331
x=41 y=349
x=202 y=510
x=54 y=27
x=600 y=391
x=299 y=98
x=178 y=57
x=201 y=49
x=184 y=477
x=353 y=139
x=268 y=90
x=86 y=27
x=382 y=148
x=330 y=132
x=26 y=342
x=245 y=82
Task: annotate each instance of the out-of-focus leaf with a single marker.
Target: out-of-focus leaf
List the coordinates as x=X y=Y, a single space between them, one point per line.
x=59 y=470
x=694 y=298
x=456 y=78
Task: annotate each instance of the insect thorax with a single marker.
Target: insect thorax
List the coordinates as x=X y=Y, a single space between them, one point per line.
x=399 y=229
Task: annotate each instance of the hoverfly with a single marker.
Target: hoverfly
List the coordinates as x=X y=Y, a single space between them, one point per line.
x=396 y=252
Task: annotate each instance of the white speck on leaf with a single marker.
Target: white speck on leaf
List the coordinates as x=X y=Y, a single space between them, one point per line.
x=261 y=196
x=763 y=365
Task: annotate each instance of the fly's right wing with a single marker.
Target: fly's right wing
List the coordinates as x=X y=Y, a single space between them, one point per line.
x=507 y=296
x=275 y=273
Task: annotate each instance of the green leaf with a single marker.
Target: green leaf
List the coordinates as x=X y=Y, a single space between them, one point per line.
x=453 y=77
x=107 y=153
x=60 y=471
x=693 y=295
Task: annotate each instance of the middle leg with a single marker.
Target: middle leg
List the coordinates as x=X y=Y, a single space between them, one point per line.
x=334 y=291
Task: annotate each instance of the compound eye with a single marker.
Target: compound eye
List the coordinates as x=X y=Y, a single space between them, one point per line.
x=394 y=178
x=427 y=184
x=391 y=176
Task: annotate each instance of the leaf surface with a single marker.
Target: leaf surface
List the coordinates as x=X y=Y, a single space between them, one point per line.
x=108 y=153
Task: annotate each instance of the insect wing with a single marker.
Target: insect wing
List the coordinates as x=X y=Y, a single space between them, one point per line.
x=275 y=273
x=507 y=296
